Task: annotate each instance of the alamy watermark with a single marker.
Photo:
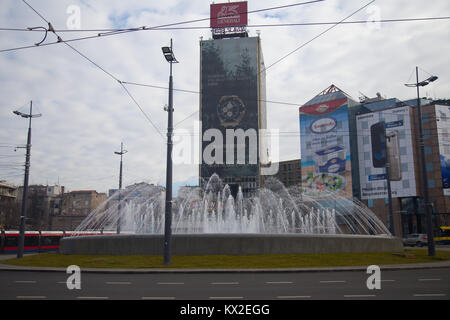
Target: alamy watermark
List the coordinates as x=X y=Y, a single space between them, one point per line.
x=228 y=147
x=374 y=17
x=74 y=280
x=73 y=22
x=374 y=280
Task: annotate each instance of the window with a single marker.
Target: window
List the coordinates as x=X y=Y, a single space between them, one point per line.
x=430 y=166
x=428 y=150
x=405 y=184
x=431 y=183
x=370 y=203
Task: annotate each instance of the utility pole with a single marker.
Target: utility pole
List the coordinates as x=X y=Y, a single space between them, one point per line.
x=119 y=207
x=25 y=180
x=389 y=190
x=426 y=199
x=170 y=57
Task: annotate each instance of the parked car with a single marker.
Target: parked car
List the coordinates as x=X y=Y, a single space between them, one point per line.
x=415 y=239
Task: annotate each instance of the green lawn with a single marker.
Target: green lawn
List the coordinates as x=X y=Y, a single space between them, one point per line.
x=229 y=262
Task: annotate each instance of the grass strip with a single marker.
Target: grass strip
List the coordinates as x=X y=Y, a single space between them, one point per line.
x=229 y=261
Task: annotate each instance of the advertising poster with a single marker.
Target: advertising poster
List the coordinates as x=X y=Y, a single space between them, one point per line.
x=229 y=100
x=325 y=148
x=443 y=131
x=386 y=137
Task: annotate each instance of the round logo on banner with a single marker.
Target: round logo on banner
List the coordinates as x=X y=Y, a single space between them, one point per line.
x=323 y=125
x=230 y=110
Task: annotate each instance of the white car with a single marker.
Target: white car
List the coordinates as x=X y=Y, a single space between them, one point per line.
x=415 y=239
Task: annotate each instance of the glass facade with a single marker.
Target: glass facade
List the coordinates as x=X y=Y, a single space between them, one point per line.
x=230 y=110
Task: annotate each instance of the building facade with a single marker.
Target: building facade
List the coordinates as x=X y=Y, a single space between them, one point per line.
x=406 y=167
x=383 y=142
x=289 y=172
x=42 y=203
x=9 y=210
x=232 y=112
x=75 y=207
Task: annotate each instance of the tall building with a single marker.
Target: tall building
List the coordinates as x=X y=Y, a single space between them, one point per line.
x=326 y=161
x=232 y=106
x=403 y=152
x=345 y=147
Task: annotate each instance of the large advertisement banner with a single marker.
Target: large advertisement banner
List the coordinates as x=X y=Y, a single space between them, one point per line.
x=325 y=148
x=231 y=14
x=386 y=137
x=443 y=131
x=229 y=103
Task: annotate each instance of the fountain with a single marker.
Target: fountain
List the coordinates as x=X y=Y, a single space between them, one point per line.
x=212 y=221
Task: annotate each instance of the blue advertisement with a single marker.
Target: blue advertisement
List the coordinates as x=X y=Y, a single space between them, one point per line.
x=325 y=146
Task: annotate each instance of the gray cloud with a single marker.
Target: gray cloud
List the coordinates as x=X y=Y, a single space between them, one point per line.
x=86 y=114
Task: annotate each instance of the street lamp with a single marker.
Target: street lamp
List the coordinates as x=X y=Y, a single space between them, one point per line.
x=431 y=248
x=25 y=180
x=119 y=207
x=170 y=57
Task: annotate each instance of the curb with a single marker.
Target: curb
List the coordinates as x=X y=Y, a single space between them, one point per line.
x=392 y=267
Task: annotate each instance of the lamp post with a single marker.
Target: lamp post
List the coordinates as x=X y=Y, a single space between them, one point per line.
x=388 y=182
x=25 y=180
x=119 y=207
x=170 y=57
x=431 y=248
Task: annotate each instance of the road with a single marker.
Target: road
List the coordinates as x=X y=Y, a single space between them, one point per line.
x=399 y=284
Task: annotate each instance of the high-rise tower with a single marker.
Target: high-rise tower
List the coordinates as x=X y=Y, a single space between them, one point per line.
x=232 y=101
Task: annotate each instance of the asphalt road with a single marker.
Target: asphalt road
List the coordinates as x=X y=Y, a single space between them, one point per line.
x=400 y=284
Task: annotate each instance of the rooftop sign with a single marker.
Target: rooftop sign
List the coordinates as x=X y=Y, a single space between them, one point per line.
x=230 y=14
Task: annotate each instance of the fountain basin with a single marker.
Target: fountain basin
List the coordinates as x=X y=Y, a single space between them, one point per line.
x=229 y=244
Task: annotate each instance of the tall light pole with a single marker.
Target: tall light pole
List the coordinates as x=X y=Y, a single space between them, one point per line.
x=431 y=248
x=25 y=180
x=170 y=57
x=388 y=181
x=119 y=207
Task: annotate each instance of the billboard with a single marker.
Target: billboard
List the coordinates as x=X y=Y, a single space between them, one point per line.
x=229 y=107
x=230 y=14
x=386 y=137
x=443 y=132
x=325 y=146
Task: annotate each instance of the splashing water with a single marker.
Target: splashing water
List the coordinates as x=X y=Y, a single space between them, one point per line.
x=274 y=210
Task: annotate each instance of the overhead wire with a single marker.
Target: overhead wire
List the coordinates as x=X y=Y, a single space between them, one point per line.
x=137 y=29
x=102 y=69
x=143 y=28
x=317 y=36
x=271 y=25
x=191 y=91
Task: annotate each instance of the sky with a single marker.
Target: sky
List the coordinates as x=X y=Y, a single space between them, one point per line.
x=86 y=113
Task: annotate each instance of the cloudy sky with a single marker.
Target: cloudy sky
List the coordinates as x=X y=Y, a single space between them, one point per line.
x=86 y=113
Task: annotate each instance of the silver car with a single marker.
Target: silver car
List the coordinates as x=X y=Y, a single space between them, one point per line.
x=415 y=239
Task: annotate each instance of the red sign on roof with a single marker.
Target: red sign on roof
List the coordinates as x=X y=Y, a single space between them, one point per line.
x=230 y=14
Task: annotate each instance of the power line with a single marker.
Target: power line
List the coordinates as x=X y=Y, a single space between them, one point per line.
x=198 y=92
x=317 y=36
x=140 y=108
x=99 y=67
x=35 y=11
x=143 y=28
x=303 y=24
